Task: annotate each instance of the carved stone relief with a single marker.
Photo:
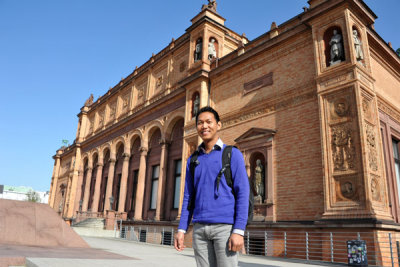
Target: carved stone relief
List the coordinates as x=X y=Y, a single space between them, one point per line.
x=101 y=118
x=366 y=107
x=346 y=189
x=159 y=81
x=372 y=152
x=182 y=66
x=343 y=151
x=376 y=188
x=91 y=125
x=125 y=101
x=113 y=110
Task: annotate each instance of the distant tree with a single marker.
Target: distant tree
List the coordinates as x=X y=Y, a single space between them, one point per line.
x=32 y=196
x=398 y=51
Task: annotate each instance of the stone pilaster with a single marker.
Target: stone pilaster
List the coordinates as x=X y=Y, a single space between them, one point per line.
x=88 y=179
x=96 y=197
x=55 y=180
x=140 y=185
x=109 y=184
x=124 y=181
x=162 y=180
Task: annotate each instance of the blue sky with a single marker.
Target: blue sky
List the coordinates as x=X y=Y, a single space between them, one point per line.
x=54 y=54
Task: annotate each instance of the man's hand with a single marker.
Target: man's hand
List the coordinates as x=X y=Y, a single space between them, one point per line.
x=236 y=242
x=178 y=242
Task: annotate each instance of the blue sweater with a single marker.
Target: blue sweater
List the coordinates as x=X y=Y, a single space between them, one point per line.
x=212 y=205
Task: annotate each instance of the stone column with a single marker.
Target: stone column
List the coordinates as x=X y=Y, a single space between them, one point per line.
x=87 y=188
x=109 y=184
x=124 y=181
x=162 y=180
x=140 y=185
x=55 y=180
x=96 y=197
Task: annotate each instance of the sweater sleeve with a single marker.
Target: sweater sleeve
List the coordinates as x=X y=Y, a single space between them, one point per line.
x=186 y=215
x=241 y=188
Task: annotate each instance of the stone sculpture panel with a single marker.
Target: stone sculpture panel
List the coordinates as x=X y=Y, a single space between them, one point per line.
x=343 y=150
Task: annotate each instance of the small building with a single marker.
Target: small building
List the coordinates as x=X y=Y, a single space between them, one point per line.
x=313 y=104
x=21 y=193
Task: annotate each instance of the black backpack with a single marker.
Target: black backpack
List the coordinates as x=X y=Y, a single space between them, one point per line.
x=226 y=169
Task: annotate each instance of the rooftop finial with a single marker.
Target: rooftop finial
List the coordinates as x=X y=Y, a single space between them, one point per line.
x=212 y=4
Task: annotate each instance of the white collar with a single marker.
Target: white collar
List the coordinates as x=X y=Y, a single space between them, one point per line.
x=218 y=145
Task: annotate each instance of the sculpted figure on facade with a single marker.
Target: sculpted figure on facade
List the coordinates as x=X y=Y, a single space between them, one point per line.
x=212 y=4
x=342 y=148
x=196 y=105
x=357 y=46
x=336 y=44
x=212 y=53
x=259 y=182
x=89 y=101
x=198 y=49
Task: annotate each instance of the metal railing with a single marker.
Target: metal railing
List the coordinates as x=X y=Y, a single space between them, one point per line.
x=383 y=248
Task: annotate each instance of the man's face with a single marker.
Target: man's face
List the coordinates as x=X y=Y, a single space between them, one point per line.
x=207 y=126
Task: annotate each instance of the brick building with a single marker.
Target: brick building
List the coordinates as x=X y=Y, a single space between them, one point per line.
x=313 y=100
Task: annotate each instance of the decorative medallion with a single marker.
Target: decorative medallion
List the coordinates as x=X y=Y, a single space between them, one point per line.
x=347 y=189
x=341 y=107
x=343 y=151
x=375 y=188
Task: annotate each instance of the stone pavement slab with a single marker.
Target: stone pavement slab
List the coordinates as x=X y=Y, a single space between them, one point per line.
x=110 y=252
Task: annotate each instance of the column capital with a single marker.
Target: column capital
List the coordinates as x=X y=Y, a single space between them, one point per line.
x=112 y=160
x=143 y=150
x=164 y=142
x=89 y=168
x=99 y=164
x=126 y=156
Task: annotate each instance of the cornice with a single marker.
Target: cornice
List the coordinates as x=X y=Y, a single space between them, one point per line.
x=172 y=101
x=154 y=60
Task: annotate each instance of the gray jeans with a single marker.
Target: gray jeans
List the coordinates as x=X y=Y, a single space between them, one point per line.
x=210 y=244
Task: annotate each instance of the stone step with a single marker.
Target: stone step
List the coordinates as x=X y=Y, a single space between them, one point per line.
x=91 y=223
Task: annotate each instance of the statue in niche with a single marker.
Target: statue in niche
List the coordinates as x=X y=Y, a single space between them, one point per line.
x=357 y=46
x=336 y=48
x=89 y=101
x=196 y=105
x=259 y=181
x=197 y=51
x=212 y=53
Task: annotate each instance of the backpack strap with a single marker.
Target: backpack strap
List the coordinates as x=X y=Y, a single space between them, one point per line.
x=226 y=168
x=192 y=166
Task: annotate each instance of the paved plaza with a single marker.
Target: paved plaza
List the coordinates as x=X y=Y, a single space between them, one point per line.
x=109 y=252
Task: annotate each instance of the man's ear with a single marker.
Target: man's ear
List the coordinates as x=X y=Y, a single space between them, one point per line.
x=219 y=125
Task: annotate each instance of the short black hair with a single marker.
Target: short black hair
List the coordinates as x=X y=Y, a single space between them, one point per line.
x=208 y=109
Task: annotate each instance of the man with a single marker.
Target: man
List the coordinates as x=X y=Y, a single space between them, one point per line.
x=219 y=215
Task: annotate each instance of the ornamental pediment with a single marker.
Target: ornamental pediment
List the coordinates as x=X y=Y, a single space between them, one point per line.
x=255 y=133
